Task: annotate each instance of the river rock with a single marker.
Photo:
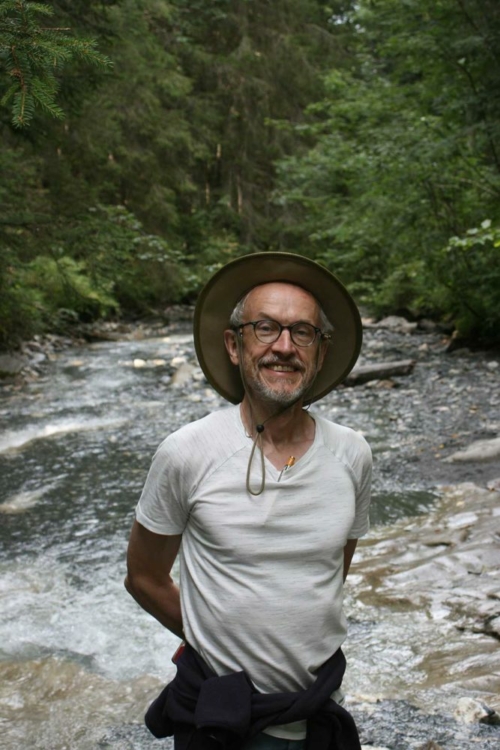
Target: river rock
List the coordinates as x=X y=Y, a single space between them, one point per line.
x=397 y=324
x=178 y=361
x=443 y=565
x=480 y=450
x=21 y=502
x=183 y=375
x=492 y=626
x=198 y=375
x=424 y=324
x=471 y=711
x=11 y=364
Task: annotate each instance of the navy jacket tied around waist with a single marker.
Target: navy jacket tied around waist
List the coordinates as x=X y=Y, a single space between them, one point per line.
x=206 y=712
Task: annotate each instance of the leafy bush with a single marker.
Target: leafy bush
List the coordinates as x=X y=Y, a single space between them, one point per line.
x=62 y=283
x=468 y=274
x=140 y=270
x=20 y=307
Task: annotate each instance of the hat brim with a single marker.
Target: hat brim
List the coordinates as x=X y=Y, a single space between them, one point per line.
x=228 y=285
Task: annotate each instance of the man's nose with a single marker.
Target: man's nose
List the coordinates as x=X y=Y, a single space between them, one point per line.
x=284 y=343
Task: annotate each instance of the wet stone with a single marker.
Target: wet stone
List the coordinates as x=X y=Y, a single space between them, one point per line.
x=183 y=375
x=401 y=726
x=481 y=450
x=11 y=364
x=395 y=323
x=131 y=737
x=471 y=711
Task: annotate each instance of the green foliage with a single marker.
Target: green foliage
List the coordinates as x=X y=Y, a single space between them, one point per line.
x=361 y=134
x=140 y=270
x=62 y=283
x=162 y=168
x=20 y=307
x=404 y=159
x=32 y=56
x=468 y=271
x=252 y=64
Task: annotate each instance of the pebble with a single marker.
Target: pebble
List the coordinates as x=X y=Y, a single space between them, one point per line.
x=178 y=361
x=183 y=375
x=471 y=711
x=462 y=520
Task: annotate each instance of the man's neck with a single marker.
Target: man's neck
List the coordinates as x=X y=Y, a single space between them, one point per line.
x=282 y=427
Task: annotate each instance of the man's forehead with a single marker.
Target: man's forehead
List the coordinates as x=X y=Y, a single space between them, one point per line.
x=280 y=290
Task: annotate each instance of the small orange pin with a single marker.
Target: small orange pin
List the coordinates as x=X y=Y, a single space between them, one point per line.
x=287 y=466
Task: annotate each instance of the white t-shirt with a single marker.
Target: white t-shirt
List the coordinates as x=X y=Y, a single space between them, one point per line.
x=260 y=576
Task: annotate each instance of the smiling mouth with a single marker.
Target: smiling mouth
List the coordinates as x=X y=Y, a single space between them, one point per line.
x=281 y=368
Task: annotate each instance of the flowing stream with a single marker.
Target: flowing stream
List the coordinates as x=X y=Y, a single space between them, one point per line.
x=79 y=661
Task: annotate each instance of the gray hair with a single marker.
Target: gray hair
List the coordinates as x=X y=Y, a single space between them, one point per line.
x=237 y=315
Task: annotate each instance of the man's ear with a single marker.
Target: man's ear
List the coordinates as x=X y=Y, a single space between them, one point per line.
x=231 y=342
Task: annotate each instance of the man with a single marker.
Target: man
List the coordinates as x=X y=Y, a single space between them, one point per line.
x=266 y=502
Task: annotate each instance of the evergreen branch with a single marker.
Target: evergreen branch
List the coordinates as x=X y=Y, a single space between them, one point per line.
x=8 y=94
x=23 y=109
x=45 y=97
x=33 y=55
x=34 y=7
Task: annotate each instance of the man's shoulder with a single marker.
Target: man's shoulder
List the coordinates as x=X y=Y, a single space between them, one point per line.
x=223 y=417
x=212 y=430
x=341 y=439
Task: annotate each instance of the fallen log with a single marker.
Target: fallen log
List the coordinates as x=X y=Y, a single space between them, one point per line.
x=380 y=371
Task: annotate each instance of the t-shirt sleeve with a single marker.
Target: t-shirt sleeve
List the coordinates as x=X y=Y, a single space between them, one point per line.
x=362 y=466
x=163 y=505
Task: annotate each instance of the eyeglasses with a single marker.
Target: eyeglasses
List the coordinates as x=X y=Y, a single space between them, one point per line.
x=269 y=331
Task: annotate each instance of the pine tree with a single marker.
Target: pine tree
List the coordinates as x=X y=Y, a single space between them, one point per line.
x=33 y=56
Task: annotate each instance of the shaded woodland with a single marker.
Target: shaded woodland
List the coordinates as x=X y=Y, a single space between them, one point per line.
x=147 y=142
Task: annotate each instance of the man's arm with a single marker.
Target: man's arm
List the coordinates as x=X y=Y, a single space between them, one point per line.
x=150 y=558
x=349 y=550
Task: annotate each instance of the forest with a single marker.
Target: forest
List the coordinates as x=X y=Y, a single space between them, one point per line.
x=147 y=142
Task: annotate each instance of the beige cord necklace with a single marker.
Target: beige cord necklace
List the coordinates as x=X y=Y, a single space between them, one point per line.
x=259 y=428
x=257 y=439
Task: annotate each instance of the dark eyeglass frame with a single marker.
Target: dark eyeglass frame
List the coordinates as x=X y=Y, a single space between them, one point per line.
x=281 y=328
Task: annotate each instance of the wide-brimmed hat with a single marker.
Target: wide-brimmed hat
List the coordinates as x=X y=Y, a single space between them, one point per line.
x=227 y=287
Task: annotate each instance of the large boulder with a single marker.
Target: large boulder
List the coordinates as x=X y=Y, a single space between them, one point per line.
x=11 y=365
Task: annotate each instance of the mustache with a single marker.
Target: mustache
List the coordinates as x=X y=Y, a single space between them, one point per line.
x=274 y=360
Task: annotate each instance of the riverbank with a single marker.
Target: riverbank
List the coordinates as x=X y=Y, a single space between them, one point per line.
x=30 y=359
x=441 y=680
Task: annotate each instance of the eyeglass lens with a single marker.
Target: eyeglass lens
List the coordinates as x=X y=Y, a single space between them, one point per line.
x=268 y=331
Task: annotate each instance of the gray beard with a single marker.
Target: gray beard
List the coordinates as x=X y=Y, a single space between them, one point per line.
x=284 y=398
x=271 y=396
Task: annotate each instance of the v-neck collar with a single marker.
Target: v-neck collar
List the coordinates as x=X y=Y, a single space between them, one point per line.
x=274 y=473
